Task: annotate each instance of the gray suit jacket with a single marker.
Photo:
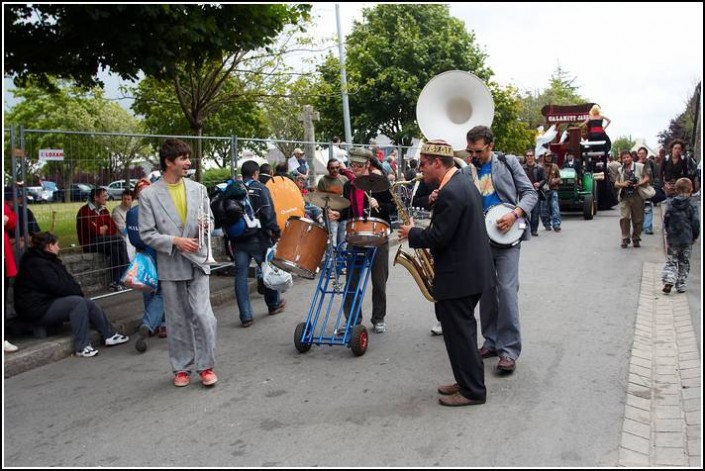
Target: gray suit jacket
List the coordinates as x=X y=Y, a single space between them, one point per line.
x=159 y=222
x=513 y=186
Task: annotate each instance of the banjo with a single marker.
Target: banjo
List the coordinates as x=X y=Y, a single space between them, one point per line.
x=497 y=237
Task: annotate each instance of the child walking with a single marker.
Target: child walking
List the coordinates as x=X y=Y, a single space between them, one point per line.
x=682 y=229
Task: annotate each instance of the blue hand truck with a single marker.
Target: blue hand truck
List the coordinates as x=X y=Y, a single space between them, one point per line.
x=326 y=325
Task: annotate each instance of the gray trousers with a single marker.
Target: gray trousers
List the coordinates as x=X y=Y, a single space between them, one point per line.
x=190 y=322
x=499 y=306
x=81 y=313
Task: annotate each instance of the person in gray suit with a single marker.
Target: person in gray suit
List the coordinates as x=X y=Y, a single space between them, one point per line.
x=501 y=179
x=170 y=213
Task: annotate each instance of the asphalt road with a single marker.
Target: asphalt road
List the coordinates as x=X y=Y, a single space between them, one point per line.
x=563 y=406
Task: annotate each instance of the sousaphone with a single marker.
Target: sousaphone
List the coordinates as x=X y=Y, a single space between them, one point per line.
x=451 y=104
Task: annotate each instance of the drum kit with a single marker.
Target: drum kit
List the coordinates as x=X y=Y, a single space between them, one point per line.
x=300 y=251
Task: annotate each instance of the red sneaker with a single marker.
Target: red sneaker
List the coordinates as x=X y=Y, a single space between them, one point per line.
x=181 y=379
x=208 y=377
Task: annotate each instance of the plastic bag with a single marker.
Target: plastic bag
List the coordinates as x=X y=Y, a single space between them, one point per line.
x=273 y=277
x=141 y=274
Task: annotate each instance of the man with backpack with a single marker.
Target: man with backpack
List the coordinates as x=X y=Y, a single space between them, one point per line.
x=260 y=233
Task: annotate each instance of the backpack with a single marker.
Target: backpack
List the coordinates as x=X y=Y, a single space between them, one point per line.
x=233 y=211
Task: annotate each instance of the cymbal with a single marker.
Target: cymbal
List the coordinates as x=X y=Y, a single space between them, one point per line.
x=334 y=202
x=372 y=182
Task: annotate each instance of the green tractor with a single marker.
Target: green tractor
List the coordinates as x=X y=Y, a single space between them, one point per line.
x=578 y=193
x=587 y=190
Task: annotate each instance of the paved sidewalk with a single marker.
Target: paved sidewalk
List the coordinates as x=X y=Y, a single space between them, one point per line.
x=662 y=418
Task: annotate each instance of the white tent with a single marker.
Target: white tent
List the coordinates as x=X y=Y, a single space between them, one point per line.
x=639 y=142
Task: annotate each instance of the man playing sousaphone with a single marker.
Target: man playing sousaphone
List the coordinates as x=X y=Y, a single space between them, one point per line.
x=500 y=180
x=463 y=269
x=379 y=205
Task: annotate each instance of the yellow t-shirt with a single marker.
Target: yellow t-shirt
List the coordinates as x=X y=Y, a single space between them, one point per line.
x=178 y=196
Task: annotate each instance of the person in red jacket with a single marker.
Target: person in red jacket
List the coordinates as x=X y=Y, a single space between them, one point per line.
x=97 y=233
x=9 y=220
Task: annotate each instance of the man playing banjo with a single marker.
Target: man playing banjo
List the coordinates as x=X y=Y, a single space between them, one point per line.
x=501 y=181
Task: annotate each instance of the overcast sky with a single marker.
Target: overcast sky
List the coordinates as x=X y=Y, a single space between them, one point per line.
x=640 y=62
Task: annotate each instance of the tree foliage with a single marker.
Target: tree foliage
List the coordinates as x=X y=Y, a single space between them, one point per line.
x=513 y=135
x=622 y=143
x=197 y=46
x=561 y=90
x=683 y=126
x=70 y=108
x=76 y=41
x=156 y=102
x=391 y=55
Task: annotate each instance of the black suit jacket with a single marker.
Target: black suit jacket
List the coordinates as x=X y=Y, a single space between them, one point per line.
x=458 y=241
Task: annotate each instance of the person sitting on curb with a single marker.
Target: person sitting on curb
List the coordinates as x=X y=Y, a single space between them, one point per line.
x=46 y=294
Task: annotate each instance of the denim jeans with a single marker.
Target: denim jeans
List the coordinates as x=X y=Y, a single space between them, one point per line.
x=648 y=217
x=550 y=211
x=153 y=316
x=243 y=254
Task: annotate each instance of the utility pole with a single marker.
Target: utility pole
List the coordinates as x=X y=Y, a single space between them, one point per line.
x=343 y=79
x=308 y=116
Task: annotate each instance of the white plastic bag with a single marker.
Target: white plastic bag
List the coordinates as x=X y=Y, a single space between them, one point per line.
x=273 y=277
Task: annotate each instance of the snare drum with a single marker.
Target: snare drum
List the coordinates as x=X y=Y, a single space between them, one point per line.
x=301 y=247
x=497 y=237
x=367 y=232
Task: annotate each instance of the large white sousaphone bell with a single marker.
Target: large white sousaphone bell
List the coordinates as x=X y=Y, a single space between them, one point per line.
x=451 y=104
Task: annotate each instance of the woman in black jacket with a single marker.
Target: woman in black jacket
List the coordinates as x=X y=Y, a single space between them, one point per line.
x=46 y=294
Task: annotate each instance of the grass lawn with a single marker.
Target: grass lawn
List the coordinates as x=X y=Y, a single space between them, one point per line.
x=60 y=219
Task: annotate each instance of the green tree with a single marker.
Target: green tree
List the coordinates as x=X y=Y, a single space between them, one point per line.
x=392 y=54
x=197 y=47
x=155 y=100
x=76 y=41
x=561 y=90
x=512 y=134
x=70 y=108
x=622 y=143
x=683 y=126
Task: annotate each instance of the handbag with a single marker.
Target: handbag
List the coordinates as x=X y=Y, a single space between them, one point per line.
x=646 y=191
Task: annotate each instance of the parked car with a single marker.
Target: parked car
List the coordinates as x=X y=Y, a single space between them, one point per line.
x=116 y=188
x=37 y=194
x=80 y=191
x=52 y=189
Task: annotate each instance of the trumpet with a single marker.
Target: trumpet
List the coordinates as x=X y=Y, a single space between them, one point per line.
x=204 y=229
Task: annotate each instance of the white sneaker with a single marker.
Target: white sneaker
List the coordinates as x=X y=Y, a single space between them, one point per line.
x=437 y=329
x=87 y=352
x=9 y=348
x=116 y=339
x=380 y=327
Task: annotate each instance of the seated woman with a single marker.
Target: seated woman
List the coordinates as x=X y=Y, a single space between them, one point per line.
x=596 y=132
x=46 y=294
